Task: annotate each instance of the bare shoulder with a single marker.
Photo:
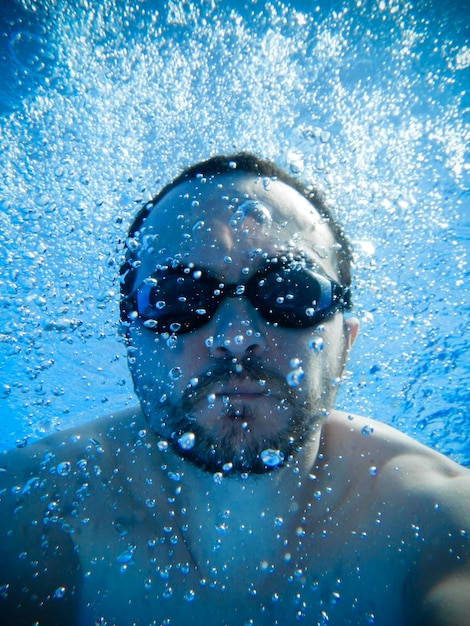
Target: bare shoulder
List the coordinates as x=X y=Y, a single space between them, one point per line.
x=35 y=476
x=421 y=490
x=58 y=452
x=403 y=467
x=370 y=439
x=40 y=575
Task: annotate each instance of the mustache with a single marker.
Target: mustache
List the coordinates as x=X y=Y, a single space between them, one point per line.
x=246 y=369
x=210 y=452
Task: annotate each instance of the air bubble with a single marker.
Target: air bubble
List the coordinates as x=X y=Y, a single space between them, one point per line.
x=5 y=391
x=367 y=430
x=150 y=324
x=59 y=592
x=295 y=377
x=150 y=281
x=30 y=484
x=172 y=341
x=189 y=595
x=175 y=373
x=187 y=441
x=251 y=208
x=316 y=345
x=64 y=468
x=217 y=478
x=126 y=556
x=132 y=244
x=271 y=457
x=199 y=225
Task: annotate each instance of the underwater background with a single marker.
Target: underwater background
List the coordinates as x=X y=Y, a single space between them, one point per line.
x=101 y=104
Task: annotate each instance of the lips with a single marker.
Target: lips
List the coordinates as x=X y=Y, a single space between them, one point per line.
x=224 y=383
x=248 y=387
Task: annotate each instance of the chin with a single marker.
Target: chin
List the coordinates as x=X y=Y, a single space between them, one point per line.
x=230 y=438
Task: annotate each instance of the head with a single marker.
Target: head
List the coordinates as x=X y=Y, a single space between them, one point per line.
x=233 y=297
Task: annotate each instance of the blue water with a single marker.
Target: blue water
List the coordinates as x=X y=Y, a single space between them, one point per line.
x=100 y=106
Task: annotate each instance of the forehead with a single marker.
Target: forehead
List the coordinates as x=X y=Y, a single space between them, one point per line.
x=227 y=221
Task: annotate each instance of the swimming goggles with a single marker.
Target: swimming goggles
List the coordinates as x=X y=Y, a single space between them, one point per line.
x=286 y=293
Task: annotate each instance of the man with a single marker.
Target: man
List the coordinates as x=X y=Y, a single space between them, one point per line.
x=236 y=494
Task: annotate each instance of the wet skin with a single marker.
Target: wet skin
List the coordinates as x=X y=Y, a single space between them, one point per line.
x=360 y=525
x=137 y=532
x=195 y=224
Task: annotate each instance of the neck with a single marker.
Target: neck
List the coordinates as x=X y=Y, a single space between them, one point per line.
x=221 y=519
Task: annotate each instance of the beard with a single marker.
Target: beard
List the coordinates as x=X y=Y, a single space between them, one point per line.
x=235 y=450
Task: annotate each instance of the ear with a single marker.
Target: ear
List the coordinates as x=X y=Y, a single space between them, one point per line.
x=351 y=329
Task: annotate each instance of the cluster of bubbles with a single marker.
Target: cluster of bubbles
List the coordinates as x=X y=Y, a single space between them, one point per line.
x=104 y=104
x=296 y=375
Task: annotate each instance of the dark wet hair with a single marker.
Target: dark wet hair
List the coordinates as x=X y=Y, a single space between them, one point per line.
x=246 y=163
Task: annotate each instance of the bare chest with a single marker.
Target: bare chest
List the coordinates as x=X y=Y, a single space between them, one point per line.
x=136 y=572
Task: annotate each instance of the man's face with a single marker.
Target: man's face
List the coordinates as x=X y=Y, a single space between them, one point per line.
x=239 y=393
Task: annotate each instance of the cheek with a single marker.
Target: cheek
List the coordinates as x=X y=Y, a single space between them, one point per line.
x=294 y=348
x=315 y=355
x=161 y=365
x=325 y=353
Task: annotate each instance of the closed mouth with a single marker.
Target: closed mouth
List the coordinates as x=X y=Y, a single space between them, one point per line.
x=240 y=391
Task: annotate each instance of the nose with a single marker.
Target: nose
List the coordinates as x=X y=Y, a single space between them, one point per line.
x=237 y=331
